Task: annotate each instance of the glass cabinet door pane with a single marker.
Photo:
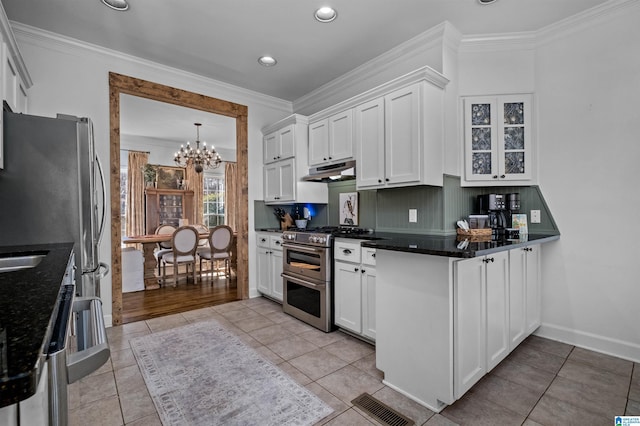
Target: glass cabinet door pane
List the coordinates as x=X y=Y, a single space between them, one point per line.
x=481 y=114
x=481 y=163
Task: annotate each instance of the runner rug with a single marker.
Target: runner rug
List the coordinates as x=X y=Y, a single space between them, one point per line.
x=202 y=374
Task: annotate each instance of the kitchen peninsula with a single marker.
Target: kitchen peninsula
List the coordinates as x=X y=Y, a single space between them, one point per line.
x=447 y=313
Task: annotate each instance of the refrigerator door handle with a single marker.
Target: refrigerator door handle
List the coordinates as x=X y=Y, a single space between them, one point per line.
x=93 y=271
x=104 y=199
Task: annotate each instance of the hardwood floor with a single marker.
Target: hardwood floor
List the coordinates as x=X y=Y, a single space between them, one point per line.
x=147 y=304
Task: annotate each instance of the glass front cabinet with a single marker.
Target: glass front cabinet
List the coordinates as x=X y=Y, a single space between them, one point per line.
x=498 y=141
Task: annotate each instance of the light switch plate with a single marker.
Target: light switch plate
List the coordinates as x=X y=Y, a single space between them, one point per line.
x=535 y=216
x=413 y=215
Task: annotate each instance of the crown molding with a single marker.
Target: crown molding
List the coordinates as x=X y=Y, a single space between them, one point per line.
x=583 y=20
x=421 y=74
x=53 y=41
x=410 y=48
x=10 y=39
x=292 y=119
x=498 y=42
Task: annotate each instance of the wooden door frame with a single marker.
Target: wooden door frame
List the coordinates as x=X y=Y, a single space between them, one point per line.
x=122 y=84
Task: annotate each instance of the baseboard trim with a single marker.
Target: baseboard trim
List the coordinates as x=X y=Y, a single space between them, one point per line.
x=606 y=345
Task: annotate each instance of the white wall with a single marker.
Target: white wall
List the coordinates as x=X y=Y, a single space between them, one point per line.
x=71 y=77
x=586 y=80
x=588 y=88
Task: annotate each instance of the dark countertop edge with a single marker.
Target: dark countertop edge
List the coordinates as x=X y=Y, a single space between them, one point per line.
x=274 y=230
x=389 y=241
x=48 y=275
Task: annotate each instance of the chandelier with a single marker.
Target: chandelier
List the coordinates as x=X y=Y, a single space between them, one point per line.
x=201 y=159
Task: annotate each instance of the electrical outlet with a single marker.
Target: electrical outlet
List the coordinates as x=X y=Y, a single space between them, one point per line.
x=535 y=216
x=413 y=215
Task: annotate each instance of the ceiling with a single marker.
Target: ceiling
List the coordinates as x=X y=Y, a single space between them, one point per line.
x=223 y=39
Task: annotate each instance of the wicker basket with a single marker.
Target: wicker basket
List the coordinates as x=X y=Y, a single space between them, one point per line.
x=474 y=235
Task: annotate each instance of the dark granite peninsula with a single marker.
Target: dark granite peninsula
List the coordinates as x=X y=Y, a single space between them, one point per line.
x=27 y=305
x=451 y=246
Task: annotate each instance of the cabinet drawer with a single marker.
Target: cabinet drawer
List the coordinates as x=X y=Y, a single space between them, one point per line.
x=275 y=242
x=369 y=256
x=348 y=251
x=262 y=240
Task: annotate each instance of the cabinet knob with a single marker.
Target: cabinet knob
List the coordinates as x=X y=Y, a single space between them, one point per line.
x=362 y=270
x=346 y=251
x=527 y=249
x=330 y=158
x=275 y=158
x=495 y=176
x=379 y=180
x=278 y=243
x=263 y=240
x=387 y=179
x=355 y=269
x=373 y=255
x=502 y=176
x=324 y=158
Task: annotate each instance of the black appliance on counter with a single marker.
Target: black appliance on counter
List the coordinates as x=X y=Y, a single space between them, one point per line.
x=53 y=190
x=499 y=208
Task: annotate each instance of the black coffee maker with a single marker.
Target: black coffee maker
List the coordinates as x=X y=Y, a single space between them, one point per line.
x=499 y=208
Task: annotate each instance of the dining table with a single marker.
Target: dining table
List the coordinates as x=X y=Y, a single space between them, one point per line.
x=149 y=241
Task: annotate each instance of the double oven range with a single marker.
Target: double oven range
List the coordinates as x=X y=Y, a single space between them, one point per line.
x=307 y=274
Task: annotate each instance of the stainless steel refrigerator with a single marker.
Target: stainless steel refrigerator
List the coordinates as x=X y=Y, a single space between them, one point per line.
x=52 y=189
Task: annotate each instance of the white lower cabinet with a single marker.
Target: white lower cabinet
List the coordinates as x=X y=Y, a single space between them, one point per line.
x=355 y=287
x=269 y=255
x=443 y=323
x=481 y=315
x=524 y=293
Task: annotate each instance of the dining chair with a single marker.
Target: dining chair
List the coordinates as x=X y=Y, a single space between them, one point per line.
x=220 y=241
x=202 y=229
x=184 y=244
x=163 y=247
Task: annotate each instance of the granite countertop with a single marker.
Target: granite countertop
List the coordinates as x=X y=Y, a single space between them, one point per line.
x=446 y=245
x=27 y=304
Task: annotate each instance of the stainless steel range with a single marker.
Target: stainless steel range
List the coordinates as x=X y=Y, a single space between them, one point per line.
x=308 y=274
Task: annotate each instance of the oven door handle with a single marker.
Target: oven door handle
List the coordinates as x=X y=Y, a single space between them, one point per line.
x=303 y=248
x=303 y=283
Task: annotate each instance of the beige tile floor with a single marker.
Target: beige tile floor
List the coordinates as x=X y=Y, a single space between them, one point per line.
x=541 y=383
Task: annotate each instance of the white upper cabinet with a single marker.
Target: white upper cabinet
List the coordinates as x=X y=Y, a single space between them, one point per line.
x=394 y=131
x=285 y=163
x=331 y=139
x=498 y=142
x=399 y=138
x=279 y=145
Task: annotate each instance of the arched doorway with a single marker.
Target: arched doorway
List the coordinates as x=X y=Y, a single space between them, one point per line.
x=121 y=84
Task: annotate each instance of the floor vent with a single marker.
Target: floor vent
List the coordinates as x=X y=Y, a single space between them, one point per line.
x=380 y=411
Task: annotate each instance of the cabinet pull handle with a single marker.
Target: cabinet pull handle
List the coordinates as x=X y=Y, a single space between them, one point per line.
x=278 y=243
x=346 y=251
x=355 y=269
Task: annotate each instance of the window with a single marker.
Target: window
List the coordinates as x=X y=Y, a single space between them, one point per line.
x=213 y=197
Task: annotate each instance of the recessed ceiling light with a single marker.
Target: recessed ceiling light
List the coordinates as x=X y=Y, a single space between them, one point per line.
x=117 y=4
x=267 y=61
x=325 y=14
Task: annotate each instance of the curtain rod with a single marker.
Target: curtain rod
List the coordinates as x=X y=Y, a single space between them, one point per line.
x=134 y=150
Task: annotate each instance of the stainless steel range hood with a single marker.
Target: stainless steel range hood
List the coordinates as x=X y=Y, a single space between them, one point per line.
x=334 y=172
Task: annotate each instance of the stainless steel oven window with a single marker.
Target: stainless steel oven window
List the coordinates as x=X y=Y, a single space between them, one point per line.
x=310 y=262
